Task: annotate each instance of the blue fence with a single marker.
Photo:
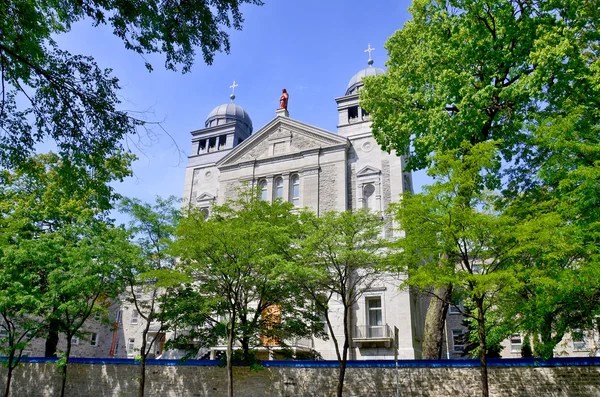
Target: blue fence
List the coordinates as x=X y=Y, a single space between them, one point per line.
x=512 y=362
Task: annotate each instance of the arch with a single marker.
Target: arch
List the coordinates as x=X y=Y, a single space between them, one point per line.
x=205 y=212
x=368 y=196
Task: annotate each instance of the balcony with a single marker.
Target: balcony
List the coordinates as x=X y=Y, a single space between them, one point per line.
x=373 y=336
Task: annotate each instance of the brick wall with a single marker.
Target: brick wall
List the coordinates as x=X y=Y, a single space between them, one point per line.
x=110 y=380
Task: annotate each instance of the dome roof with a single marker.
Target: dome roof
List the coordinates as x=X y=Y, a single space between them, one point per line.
x=227 y=113
x=355 y=81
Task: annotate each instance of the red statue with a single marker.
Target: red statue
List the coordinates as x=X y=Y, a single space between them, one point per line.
x=283 y=99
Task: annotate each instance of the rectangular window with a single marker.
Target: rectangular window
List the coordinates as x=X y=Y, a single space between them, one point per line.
x=458 y=340
x=75 y=340
x=455 y=307
x=202 y=146
x=278 y=188
x=352 y=114
x=94 y=339
x=579 y=342
x=212 y=144
x=134 y=316
x=3 y=333
x=516 y=343
x=222 y=141
x=130 y=345
x=295 y=183
x=365 y=115
x=374 y=317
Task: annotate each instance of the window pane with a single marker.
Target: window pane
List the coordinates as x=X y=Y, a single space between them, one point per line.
x=263 y=190
x=296 y=190
x=279 y=188
x=375 y=314
x=369 y=196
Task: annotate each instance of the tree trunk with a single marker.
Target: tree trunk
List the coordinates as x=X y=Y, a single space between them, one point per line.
x=52 y=339
x=342 y=375
x=11 y=358
x=435 y=320
x=343 y=361
x=143 y=355
x=245 y=349
x=230 y=363
x=142 y=376
x=482 y=347
x=65 y=367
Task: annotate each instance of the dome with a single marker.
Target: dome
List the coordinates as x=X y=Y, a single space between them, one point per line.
x=228 y=113
x=355 y=81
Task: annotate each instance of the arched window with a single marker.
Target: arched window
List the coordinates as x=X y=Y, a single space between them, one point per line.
x=278 y=188
x=205 y=212
x=369 y=196
x=295 y=190
x=263 y=189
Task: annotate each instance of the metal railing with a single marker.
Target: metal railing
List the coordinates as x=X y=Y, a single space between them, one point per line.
x=373 y=332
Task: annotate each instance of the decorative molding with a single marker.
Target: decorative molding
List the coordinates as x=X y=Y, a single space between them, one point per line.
x=205 y=197
x=368 y=171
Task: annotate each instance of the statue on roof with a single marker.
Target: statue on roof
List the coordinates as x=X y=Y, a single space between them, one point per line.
x=283 y=99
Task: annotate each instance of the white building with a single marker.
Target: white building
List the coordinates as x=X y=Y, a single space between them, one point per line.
x=324 y=171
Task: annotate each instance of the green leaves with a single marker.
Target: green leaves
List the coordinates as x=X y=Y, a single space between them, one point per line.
x=49 y=93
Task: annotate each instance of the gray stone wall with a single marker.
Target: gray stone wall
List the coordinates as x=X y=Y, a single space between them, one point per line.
x=85 y=380
x=328 y=189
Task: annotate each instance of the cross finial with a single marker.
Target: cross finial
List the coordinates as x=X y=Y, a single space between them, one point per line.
x=232 y=96
x=370 y=50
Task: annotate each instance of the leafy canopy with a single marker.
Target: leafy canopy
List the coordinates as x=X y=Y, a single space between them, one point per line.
x=47 y=92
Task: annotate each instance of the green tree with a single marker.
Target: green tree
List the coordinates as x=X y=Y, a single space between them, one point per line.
x=557 y=275
x=82 y=273
x=503 y=70
x=454 y=236
x=151 y=281
x=20 y=303
x=49 y=93
x=237 y=258
x=54 y=230
x=341 y=255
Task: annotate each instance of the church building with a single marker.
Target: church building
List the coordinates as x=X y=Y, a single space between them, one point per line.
x=322 y=170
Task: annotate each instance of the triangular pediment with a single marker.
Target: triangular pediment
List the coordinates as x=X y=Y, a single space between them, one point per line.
x=282 y=136
x=368 y=170
x=205 y=197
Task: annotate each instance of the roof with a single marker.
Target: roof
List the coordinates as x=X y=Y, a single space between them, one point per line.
x=356 y=80
x=227 y=113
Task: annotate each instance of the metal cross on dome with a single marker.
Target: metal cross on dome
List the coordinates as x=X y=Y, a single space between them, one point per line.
x=370 y=50
x=232 y=96
x=233 y=87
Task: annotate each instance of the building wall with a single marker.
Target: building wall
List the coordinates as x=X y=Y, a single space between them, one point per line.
x=86 y=380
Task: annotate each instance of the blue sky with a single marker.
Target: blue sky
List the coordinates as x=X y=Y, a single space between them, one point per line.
x=310 y=47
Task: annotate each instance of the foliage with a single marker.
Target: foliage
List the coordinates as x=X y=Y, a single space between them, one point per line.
x=237 y=258
x=467 y=71
x=524 y=75
x=152 y=278
x=48 y=92
x=340 y=258
x=57 y=245
x=454 y=236
x=556 y=289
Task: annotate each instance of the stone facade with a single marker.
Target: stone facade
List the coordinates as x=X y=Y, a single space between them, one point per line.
x=332 y=171
x=87 y=380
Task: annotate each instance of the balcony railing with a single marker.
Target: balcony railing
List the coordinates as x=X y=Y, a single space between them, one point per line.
x=373 y=334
